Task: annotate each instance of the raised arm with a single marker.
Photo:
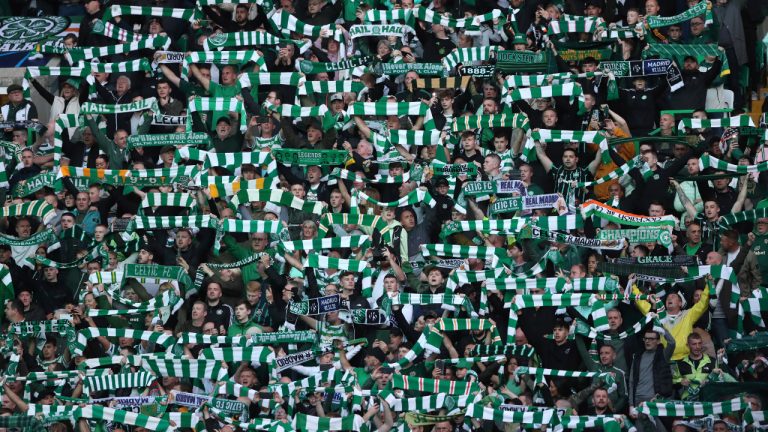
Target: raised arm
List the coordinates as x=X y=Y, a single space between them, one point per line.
x=689 y=208
x=205 y=82
x=592 y=167
x=170 y=75
x=546 y=162
x=742 y=197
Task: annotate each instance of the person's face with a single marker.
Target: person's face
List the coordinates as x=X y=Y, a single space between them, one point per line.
x=89 y=301
x=16 y=96
x=163 y=90
x=697 y=26
x=469 y=143
x=242 y=313
x=651 y=8
x=446 y=103
x=714 y=258
x=50 y=274
x=489 y=106
x=673 y=302
x=298 y=191
x=600 y=399
x=19 y=137
x=409 y=77
x=435 y=278
x=209 y=328
x=667 y=121
x=614 y=320
x=25 y=298
x=26 y=158
x=82 y=201
x=101 y=163
x=198 y=311
x=526 y=173
x=253 y=296
x=560 y=334
x=693 y=233
x=122 y=85
x=607 y=355
x=390 y=285
x=693 y=166
x=696 y=347
x=711 y=210
x=674 y=32
x=576 y=272
x=336 y=199
x=247 y=378
x=308 y=230
x=720 y=427
x=655 y=210
x=691 y=65
x=639 y=84
x=407 y=220
x=442 y=427
x=144 y=257
x=490 y=91
x=314 y=174
x=23 y=228
x=570 y=160
x=589 y=67
x=258 y=242
x=228 y=75
x=651 y=341
x=593 y=11
x=490 y=165
x=241 y=15
x=721 y=184
x=213 y=292
x=500 y=144
x=67 y=222
x=92 y=268
x=121 y=139
x=314 y=134
x=223 y=129
x=183 y=240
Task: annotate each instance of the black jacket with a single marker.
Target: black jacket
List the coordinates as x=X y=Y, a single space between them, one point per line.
x=694 y=93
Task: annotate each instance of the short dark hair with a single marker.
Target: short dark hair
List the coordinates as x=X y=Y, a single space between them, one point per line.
x=245 y=303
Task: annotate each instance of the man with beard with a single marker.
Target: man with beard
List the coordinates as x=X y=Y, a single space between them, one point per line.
x=696 y=83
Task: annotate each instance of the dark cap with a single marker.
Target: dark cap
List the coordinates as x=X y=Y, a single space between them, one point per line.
x=595 y=3
x=224 y=119
x=430 y=314
x=442 y=181
x=5 y=247
x=686 y=58
x=378 y=353
x=42 y=394
x=14 y=87
x=396 y=332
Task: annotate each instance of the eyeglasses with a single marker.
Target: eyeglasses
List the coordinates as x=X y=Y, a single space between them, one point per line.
x=650 y=339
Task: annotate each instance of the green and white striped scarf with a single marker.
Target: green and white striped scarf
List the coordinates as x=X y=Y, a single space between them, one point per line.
x=94 y=108
x=691 y=409
x=386 y=108
x=738 y=121
x=539 y=374
x=621 y=171
x=573 y=90
x=707 y=161
x=679 y=51
x=513 y=81
x=47 y=236
x=489 y=226
x=218 y=104
x=165 y=222
x=414 y=197
x=140 y=178
x=303 y=422
x=552 y=135
x=252 y=354
x=120 y=10
x=134 y=360
x=489 y=121
x=408 y=138
x=118 y=33
x=279 y=197
x=524 y=285
x=205 y=339
x=477 y=411
x=345 y=242
x=604 y=211
x=37 y=71
x=324 y=262
x=288 y=110
x=560 y=300
x=703 y=8
x=457 y=251
x=171 y=139
x=105 y=414
x=231 y=161
x=464 y=324
x=118 y=381
x=287 y=23
x=83 y=336
x=333 y=375
x=748 y=215
x=373 y=221
x=76 y=55
x=39 y=209
x=64 y=121
x=449 y=301
x=222 y=57
x=186 y=368
x=139 y=65
x=468 y=55
x=429 y=385
x=293 y=79
x=156 y=199
x=329 y=87
x=576 y=24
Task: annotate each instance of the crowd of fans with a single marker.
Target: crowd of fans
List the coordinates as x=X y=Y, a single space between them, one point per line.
x=314 y=236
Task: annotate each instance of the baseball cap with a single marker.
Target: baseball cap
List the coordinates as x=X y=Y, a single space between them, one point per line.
x=520 y=39
x=14 y=87
x=337 y=97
